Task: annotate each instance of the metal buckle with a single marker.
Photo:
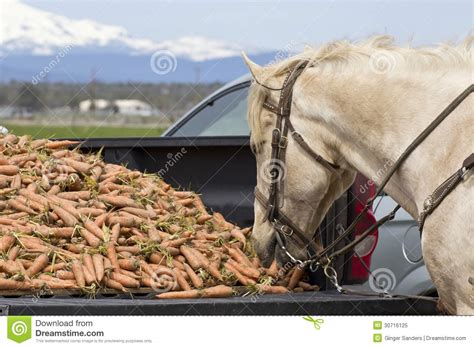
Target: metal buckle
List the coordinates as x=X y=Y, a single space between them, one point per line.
x=286 y=230
x=283 y=142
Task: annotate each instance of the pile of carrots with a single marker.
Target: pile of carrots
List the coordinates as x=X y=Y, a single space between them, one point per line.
x=69 y=221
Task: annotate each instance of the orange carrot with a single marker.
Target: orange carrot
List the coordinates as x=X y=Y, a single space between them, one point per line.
x=129 y=264
x=192 y=259
x=78 y=271
x=125 y=280
x=183 y=284
x=65 y=275
x=112 y=256
x=92 y=228
x=269 y=289
x=38 y=265
x=216 y=291
x=295 y=277
x=98 y=262
x=59 y=144
x=9 y=169
x=89 y=265
x=6 y=242
x=119 y=201
x=195 y=279
x=91 y=239
x=13 y=253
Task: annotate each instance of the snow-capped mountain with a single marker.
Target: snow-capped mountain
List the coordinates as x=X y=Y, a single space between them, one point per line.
x=28 y=30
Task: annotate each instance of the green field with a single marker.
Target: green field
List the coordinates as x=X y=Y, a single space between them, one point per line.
x=42 y=131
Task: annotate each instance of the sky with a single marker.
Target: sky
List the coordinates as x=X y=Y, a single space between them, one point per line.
x=275 y=24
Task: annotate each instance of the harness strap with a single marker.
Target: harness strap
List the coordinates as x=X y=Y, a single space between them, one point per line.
x=317 y=157
x=438 y=195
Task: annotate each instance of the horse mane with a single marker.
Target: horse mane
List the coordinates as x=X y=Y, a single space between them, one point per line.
x=338 y=55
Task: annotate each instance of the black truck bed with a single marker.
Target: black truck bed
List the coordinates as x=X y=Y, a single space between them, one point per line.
x=320 y=303
x=223 y=170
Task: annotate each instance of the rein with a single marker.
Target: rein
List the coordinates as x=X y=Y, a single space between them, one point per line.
x=287 y=230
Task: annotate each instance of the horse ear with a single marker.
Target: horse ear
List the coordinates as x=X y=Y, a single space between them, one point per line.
x=255 y=69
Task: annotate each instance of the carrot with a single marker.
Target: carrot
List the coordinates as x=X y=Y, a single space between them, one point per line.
x=143 y=213
x=75 y=195
x=237 y=234
x=179 y=294
x=55 y=267
x=9 y=169
x=128 y=264
x=240 y=277
x=174 y=242
x=16 y=182
x=65 y=275
x=79 y=166
x=78 y=271
x=271 y=289
x=192 y=259
x=295 y=277
x=216 y=291
x=308 y=287
x=98 y=262
x=272 y=271
x=197 y=282
x=6 y=242
x=245 y=270
x=209 y=266
x=100 y=219
x=59 y=144
x=239 y=256
x=119 y=201
x=183 y=284
x=13 y=253
x=114 y=233
x=124 y=221
x=124 y=280
x=92 y=228
x=17 y=205
x=89 y=265
x=9 y=284
x=112 y=256
x=38 y=265
x=67 y=218
x=90 y=238
x=88 y=276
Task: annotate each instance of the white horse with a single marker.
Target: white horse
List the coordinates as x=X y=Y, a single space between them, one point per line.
x=359 y=106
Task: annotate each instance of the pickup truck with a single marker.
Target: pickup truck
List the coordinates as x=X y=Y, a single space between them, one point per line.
x=217 y=162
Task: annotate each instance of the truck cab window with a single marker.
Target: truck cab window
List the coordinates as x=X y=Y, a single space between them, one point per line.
x=224 y=116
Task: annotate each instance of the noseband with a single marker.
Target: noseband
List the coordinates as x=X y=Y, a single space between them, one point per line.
x=286 y=229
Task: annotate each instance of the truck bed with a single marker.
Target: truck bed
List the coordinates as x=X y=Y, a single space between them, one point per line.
x=321 y=303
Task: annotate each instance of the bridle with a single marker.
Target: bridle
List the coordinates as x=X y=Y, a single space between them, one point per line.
x=286 y=230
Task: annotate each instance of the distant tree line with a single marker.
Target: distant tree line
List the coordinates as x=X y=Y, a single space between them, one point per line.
x=173 y=99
